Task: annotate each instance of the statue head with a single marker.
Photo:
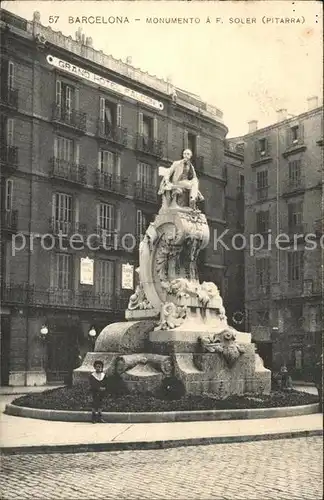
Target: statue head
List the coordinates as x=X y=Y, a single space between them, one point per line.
x=187 y=154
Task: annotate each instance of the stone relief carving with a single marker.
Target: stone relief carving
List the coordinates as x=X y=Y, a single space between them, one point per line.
x=139 y=300
x=171 y=316
x=224 y=344
x=157 y=361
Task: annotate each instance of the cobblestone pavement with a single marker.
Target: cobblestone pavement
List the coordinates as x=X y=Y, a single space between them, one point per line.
x=268 y=470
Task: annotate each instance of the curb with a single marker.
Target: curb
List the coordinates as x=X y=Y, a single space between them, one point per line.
x=157 y=417
x=153 y=445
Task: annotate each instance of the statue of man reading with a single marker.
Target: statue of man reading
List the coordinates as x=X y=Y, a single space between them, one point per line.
x=179 y=185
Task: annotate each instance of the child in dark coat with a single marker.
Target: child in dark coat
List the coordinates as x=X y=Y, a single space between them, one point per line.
x=98 y=387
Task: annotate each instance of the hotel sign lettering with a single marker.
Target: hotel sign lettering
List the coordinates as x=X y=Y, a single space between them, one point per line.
x=103 y=82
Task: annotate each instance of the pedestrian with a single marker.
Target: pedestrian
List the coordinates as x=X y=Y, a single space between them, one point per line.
x=98 y=387
x=284 y=377
x=318 y=380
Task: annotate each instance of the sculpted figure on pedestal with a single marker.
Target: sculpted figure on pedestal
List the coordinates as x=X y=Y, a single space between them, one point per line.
x=179 y=185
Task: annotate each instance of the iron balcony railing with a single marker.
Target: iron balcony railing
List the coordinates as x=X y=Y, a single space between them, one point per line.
x=9 y=97
x=69 y=171
x=110 y=182
x=150 y=146
x=66 y=228
x=9 y=155
x=112 y=133
x=24 y=294
x=145 y=192
x=9 y=220
x=70 y=117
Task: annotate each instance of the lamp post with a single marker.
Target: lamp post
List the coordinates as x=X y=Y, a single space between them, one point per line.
x=43 y=332
x=92 y=336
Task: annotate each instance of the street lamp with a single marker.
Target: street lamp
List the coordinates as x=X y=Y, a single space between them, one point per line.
x=43 y=332
x=92 y=333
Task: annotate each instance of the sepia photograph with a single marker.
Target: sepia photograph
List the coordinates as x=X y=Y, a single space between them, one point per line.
x=161 y=250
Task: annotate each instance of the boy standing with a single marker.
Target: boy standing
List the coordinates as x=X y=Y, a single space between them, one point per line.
x=98 y=386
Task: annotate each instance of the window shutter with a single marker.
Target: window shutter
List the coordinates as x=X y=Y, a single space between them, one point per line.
x=197 y=144
x=11 y=74
x=154 y=176
x=68 y=99
x=9 y=192
x=288 y=138
x=139 y=222
x=268 y=147
x=185 y=139
x=76 y=99
x=98 y=214
x=58 y=99
x=118 y=169
x=140 y=123
x=54 y=205
x=155 y=128
x=102 y=109
x=99 y=160
x=256 y=149
x=55 y=147
x=76 y=211
x=10 y=131
x=117 y=219
x=119 y=115
x=77 y=153
x=139 y=169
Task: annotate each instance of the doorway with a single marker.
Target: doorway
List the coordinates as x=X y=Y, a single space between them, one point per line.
x=5 y=350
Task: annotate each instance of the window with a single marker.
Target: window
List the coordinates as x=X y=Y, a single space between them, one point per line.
x=62 y=271
x=147 y=128
x=106 y=162
x=295 y=133
x=62 y=212
x=66 y=99
x=64 y=149
x=295 y=171
x=295 y=266
x=262 y=222
x=105 y=277
x=7 y=131
x=262 y=184
x=11 y=73
x=110 y=116
x=106 y=217
x=142 y=222
x=192 y=143
x=295 y=215
x=262 y=146
x=241 y=182
x=146 y=174
x=262 y=272
x=9 y=191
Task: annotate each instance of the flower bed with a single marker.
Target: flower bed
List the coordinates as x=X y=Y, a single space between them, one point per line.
x=78 y=398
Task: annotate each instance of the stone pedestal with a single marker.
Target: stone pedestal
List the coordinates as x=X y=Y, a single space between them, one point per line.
x=177 y=326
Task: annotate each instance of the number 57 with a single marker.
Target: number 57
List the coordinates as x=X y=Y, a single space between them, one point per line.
x=53 y=19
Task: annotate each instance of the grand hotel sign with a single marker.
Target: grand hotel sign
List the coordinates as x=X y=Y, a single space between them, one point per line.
x=103 y=82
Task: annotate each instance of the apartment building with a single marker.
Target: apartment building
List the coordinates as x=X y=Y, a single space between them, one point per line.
x=284 y=195
x=82 y=137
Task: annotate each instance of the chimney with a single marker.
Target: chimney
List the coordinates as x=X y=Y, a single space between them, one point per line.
x=253 y=126
x=312 y=102
x=282 y=115
x=129 y=60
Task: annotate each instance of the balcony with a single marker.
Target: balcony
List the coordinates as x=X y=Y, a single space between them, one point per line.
x=66 y=228
x=108 y=239
x=261 y=157
x=8 y=157
x=319 y=227
x=302 y=288
x=262 y=193
x=9 y=97
x=149 y=146
x=70 y=117
x=295 y=146
x=292 y=186
x=110 y=182
x=24 y=294
x=68 y=171
x=9 y=220
x=145 y=192
x=116 y=135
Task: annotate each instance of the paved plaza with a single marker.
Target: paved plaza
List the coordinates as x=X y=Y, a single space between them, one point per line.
x=268 y=470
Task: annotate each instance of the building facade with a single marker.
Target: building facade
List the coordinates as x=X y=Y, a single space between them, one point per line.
x=283 y=278
x=82 y=138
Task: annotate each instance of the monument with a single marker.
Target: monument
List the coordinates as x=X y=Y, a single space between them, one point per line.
x=174 y=325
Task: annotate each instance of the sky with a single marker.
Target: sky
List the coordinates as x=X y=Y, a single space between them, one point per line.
x=247 y=69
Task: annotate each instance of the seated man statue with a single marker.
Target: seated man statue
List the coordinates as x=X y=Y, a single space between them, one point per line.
x=179 y=185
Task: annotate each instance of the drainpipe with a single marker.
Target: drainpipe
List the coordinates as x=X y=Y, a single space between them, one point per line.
x=30 y=226
x=277 y=204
